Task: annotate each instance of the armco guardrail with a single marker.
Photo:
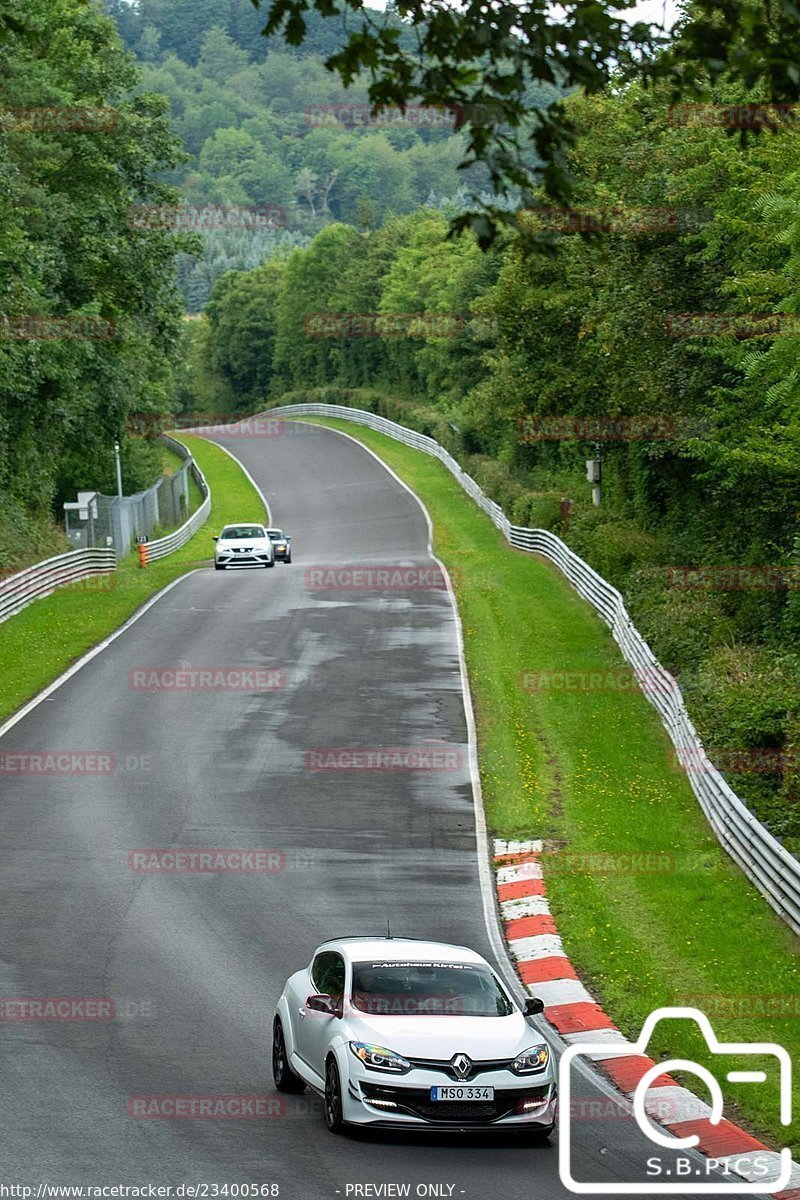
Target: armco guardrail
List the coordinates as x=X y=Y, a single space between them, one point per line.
x=44 y=577
x=773 y=870
x=173 y=541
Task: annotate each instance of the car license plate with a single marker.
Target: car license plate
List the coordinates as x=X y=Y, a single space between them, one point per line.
x=462 y=1092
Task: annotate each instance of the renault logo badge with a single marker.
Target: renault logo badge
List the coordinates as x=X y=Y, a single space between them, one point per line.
x=461 y=1065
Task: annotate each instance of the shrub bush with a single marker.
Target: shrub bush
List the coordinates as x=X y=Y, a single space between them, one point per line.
x=744 y=699
x=25 y=538
x=613 y=545
x=681 y=626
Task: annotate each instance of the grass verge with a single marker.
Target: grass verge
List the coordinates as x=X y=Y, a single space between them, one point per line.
x=39 y=643
x=591 y=769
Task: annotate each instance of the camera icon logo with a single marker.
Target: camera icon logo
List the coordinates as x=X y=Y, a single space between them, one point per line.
x=779 y=1168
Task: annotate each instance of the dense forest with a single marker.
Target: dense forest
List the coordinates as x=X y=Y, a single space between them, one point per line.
x=590 y=332
x=150 y=28
x=265 y=124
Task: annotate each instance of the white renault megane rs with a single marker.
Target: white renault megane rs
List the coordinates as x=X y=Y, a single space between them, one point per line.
x=396 y=1032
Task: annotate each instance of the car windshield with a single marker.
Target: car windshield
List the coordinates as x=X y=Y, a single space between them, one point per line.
x=275 y=535
x=428 y=989
x=241 y=531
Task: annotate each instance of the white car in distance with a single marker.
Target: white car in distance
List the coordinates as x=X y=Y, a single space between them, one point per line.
x=243 y=545
x=394 y=1032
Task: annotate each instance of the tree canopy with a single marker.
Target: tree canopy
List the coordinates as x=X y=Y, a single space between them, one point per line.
x=69 y=250
x=485 y=57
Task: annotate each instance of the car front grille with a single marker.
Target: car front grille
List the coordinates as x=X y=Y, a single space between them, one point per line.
x=468 y=1111
x=445 y=1067
x=417 y=1102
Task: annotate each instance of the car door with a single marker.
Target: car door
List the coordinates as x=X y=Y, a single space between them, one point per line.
x=315 y=1029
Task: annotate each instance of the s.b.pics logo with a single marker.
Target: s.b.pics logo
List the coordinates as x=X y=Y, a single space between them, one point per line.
x=686 y=1123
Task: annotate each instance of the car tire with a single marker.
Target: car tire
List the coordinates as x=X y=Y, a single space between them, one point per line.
x=333 y=1098
x=288 y=559
x=282 y=1073
x=219 y=566
x=270 y=564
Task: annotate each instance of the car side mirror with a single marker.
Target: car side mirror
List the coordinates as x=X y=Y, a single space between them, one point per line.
x=215 y=537
x=321 y=1004
x=533 y=1007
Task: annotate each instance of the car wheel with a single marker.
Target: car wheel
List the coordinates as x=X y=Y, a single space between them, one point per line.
x=333 y=1098
x=219 y=566
x=282 y=1073
x=271 y=563
x=288 y=559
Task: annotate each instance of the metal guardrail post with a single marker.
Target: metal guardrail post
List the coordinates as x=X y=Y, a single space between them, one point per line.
x=44 y=578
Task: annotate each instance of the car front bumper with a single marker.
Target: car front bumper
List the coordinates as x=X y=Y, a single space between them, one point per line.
x=518 y=1103
x=250 y=558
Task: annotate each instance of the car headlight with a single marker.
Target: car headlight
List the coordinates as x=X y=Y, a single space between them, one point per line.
x=535 y=1058
x=378 y=1058
x=281 y=545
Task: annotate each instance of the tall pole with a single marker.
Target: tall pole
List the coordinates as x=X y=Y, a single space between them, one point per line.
x=597 y=490
x=119 y=470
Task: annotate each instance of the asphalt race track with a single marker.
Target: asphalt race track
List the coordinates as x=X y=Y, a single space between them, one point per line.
x=196 y=961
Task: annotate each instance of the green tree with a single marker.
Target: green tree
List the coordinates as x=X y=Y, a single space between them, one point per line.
x=311 y=286
x=220 y=57
x=242 y=317
x=68 y=248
